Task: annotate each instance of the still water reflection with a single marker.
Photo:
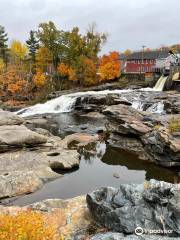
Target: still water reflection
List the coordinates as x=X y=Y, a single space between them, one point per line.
x=101 y=165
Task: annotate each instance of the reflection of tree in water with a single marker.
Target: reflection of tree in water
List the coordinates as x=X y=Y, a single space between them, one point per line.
x=93 y=151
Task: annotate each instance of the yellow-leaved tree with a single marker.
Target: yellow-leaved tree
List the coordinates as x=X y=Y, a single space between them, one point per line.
x=39 y=78
x=18 y=50
x=43 y=58
x=2 y=66
x=26 y=225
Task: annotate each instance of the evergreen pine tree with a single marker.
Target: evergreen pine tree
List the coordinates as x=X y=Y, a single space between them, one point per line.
x=3 y=44
x=33 y=45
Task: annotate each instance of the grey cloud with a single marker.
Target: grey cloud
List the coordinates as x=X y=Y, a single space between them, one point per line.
x=130 y=23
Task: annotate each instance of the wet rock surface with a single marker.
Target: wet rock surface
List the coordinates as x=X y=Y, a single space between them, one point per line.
x=30 y=158
x=152 y=206
x=146 y=134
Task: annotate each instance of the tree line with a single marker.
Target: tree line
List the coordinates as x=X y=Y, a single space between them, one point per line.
x=54 y=59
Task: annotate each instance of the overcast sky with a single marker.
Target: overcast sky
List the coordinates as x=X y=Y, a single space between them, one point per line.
x=129 y=23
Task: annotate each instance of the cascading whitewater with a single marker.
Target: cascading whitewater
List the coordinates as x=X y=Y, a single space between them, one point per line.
x=156 y=108
x=61 y=104
x=66 y=103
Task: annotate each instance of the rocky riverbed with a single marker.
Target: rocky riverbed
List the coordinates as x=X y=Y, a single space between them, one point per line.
x=36 y=149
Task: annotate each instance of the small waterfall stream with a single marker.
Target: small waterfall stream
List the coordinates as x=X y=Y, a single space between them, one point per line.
x=160 y=84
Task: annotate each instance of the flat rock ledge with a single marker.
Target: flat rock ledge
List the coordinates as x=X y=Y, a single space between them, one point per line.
x=29 y=158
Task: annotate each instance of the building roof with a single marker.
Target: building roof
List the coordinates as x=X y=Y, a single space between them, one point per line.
x=148 y=55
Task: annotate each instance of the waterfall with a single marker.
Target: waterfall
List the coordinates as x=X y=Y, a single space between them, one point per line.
x=64 y=103
x=61 y=104
x=160 y=84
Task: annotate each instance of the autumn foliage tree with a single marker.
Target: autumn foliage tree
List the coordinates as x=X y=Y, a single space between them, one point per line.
x=66 y=72
x=127 y=52
x=109 y=68
x=39 y=78
x=43 y=58
x=13 y=81
x=26 y=225
x=52 y=59
x=2 y=66
x=18 y=51
x=86 y=71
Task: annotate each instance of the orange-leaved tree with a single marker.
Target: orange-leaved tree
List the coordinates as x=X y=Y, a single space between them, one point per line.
x=66 y=72
x=13 y=81
x=110 y=66
x=63 y=70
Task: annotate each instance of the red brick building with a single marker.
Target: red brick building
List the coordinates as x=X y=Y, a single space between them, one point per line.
x=144 y=62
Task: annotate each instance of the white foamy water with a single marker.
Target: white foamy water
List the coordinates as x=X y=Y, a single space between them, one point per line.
x=66 y=103
x=156 y=108
x=137 y=105
x=160 y=84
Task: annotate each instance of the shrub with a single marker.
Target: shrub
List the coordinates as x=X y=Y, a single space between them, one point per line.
x=26 y=225
x=174 y=125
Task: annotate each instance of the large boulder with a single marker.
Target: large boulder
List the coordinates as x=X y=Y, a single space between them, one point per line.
x=152 y=206
x=19 y=135
x=8 y=118
x=94 y=102
x=130 y=144
x=163 y=147
x=125 y=120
